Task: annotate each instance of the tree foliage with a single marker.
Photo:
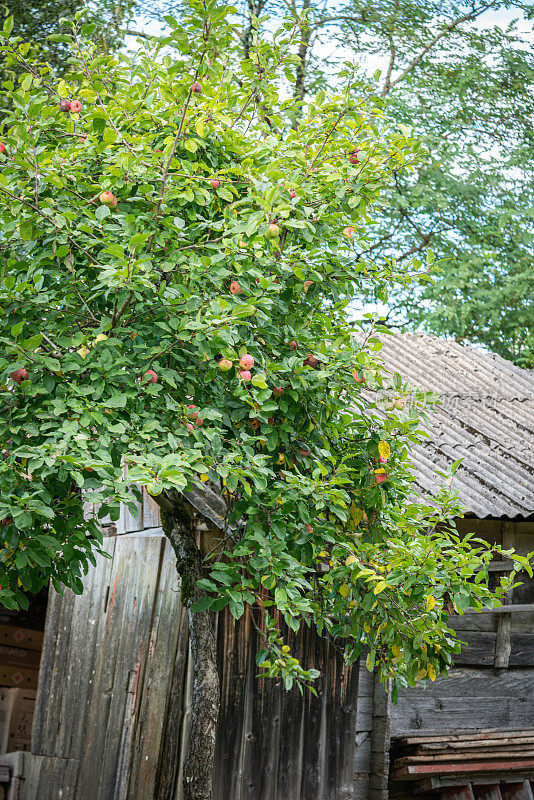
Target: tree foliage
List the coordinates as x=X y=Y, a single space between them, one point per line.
x=175 y=224
x=465 y=86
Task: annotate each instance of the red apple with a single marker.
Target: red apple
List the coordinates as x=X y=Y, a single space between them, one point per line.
x=198 y=422
x=292 y=193
x=19 y=375
x=7 y=520
x=192 y=415
x=75 y=107
x=215 y=183
x=357 y=377
x=189 y=426
x=196 y=88
x=2 y=147
x=245 y=375
x=246 y=361
x=108 y=199
x=353 y=155
x=382 y=460
x=293 y=345
x=306 y=285
x=235 y=288
x=151 y=376
x=64 y=105
x=278 y=391
x=311 y=361
x=309 y=528
x=381 y=475
x=349 y=232
x=225 y=365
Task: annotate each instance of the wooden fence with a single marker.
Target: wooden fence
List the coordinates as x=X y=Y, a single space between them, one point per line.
x=112 y=707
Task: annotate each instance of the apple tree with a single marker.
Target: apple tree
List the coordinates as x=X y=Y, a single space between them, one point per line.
x=176 y=265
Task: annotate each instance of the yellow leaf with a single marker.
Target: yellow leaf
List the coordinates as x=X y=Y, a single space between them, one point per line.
x=420 y=675
x=367 y=628
x=380 y=586
x=83 y=351
x=344 y=590
x=430 y=602
x=356 y=516
x=431 y=672
x=395 y=649
x=204 y=477
x=384 y=450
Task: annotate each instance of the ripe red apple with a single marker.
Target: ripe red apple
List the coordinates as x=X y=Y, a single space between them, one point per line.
x=273 y=231
x=235 y=288
x=64 y=105
x=192 y=415
x=19 y=375
x=306 y=285
x=7 y=520
x=75 y=107
x=303 y=451
x=225 y=365
x=353 y=155
x=189 y=426
x=151 y=376
x=293 y=345
x=349 y=232
x=311 y=361
x=245 y=375
x=357 y=377
x=278 y=391
x=382 y=460
x=196 y=88
x=2 y=147
x=400 y=402
x=292 y=193
x=215 y=183
x=198 y=422
x=108 y=199
x=246 y=361
x=381 y=475
x=309 y=528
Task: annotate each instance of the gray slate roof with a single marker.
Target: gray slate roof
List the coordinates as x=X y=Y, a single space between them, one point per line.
x=486 y=417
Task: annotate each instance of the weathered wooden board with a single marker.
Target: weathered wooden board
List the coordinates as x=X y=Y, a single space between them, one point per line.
x=475 y=698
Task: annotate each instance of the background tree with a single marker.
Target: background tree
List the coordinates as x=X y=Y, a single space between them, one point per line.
x=177 y=261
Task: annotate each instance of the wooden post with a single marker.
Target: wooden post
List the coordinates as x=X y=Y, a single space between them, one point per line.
x=503 y=643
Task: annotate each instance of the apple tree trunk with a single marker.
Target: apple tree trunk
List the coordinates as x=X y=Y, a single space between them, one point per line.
x=200 y=753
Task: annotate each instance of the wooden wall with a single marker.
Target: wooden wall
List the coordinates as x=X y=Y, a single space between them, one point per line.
x=112 y=709
x=492 y=685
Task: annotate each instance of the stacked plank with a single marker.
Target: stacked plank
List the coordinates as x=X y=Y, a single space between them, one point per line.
x=493 y=764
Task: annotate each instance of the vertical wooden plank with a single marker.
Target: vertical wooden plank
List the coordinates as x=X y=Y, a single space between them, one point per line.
x=171 y=755
x=232 y=645
x=155 y=682
x=457 y=793
x=151 y=511
x=488 y=792
x=341 y=708
x=289 y=778
x=503 y=644
x=520 y=790
x=130 y=641
x=313 y=743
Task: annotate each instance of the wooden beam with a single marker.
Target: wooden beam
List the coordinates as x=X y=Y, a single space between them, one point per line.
x=503 y=644
x=416 y=771
x=514 y=609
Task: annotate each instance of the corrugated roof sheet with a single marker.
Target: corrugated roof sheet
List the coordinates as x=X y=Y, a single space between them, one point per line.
x=486 y=417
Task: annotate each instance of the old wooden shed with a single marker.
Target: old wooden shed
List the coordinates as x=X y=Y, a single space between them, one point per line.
x=111 y=712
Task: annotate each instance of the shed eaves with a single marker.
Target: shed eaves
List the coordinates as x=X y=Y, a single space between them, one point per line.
x=486 y=417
